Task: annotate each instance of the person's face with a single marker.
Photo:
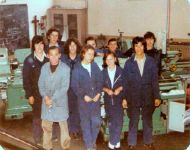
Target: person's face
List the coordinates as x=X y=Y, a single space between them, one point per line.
x=112 y=46
x=53 y=37
x=72 y=48
x=54 y=56
x=150 y=43
x=39 y=47
x=110 y=60
x=89 y=56
x=139 y=48
x=92 y=43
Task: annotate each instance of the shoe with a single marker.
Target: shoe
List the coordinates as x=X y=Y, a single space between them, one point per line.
x=131 y=147
x=149 y=146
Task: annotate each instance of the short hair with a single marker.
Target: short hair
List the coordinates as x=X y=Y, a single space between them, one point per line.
x=53 y=48
x=35 y=40
x=52 y=30
x=149 y=35
x=137 y=40
x=90 y=38
x=85 y=49
x=68 y=43
x=112 y=40
x=105 y=57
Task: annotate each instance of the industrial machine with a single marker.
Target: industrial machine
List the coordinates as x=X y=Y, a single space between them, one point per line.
x=174 y=80
x=11 y=90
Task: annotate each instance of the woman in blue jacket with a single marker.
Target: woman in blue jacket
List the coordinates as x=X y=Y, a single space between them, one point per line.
x=87 y=84
x=113 y=96
x=71 y=58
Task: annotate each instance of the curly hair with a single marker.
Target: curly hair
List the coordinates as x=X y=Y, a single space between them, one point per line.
x=68 y=43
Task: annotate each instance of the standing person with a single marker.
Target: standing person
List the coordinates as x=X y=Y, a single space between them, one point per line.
x=31 y=72
x=53 y=39
x=113 y=47
x=151 y=50
x=92 y=41
x=71 y=58
x=53 y=85
x=113 y=96
x=142 y=92
x=87 y=83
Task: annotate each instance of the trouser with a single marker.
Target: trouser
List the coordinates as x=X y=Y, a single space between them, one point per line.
x=134 y=113
x=115 y=123
x=36 y=120
x=47 y=135
x=90 y=125
x=74 y=117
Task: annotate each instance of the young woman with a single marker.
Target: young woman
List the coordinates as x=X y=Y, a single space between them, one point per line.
x=71 y=58
x=87 y=84
x=113 y=96
x=31 y=72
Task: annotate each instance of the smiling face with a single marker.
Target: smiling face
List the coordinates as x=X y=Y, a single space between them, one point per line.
x=112 y=46
x=88 y=56
x=139 y=49
x=54 y=56
x=39 y=48
x=72 y=48
x=149 y=43
x=110 y=60
x=53 y=37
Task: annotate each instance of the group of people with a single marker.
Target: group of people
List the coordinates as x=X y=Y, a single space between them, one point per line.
x=64 y=85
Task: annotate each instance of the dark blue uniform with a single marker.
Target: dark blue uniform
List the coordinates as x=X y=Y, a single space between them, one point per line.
x=31 y=72
x=113 y=105
x=74 y=118
x=84 y=84
x=141 y=91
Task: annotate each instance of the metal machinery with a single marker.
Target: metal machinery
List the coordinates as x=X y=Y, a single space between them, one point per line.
x=11 y=89
x=173 y=82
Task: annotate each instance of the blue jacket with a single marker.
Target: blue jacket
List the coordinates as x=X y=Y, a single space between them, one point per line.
x=83 y=84
x=113 y=102
x=55 y=85
x=141 y=91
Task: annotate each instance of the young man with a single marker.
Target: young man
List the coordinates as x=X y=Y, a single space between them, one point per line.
x=113 y=47
x=31 y=73
x=53 y=85
x=92 y=41
x=142 y=92
x=151 y=50
x=53 y=39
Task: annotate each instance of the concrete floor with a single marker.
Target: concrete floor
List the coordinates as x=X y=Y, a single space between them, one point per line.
x=22 y=128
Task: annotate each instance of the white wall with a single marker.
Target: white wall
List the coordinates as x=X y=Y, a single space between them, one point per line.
x=35 y=8
x=135 y=17
x=180 y=19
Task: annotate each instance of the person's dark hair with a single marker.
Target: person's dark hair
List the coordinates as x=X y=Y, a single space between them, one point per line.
x=90 y=38
x=105 y=57
x=53 y=48
x=149 y=35
x=50 y=31
x=85 y=49
x=112 y=40
x=35 y=40
x=137 y=40
x=68 y=43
